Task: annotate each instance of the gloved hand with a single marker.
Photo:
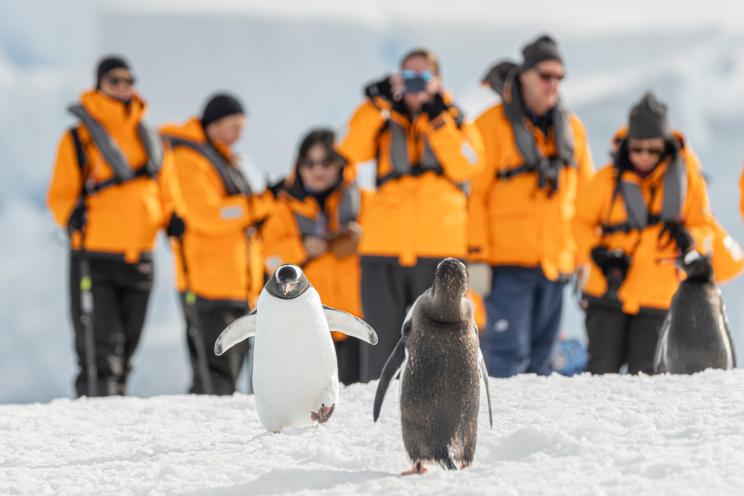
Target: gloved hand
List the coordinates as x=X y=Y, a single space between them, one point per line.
x=677 y=232
x=176 y=226
x=345 y=243
x=480 y=276
x=614 y=264
x=435 y=106
x=78 y=218
x=497 y=75
x=380 y=89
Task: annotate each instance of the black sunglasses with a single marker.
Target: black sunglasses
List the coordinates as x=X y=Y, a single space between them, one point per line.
x=549 y=76
x=116 y=81
x=309 y=163
x=651 y=150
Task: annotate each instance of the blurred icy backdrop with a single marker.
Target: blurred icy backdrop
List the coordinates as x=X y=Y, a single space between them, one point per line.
x=298 y=64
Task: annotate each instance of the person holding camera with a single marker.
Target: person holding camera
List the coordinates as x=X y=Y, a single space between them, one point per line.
x=219 y=267
x=425 y=153
x=314 y=225
x=521 y=206
x=635 y=219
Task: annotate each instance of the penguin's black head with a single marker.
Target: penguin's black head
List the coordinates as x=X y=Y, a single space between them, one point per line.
x=697 y=267
x=450 y=280
x=288 y=282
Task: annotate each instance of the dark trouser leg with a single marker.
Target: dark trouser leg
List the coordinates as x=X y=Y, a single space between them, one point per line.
x=546 y=321
x=384 y=304
x=508 y=332
x=419 y=278
x=347 y=355
x=223 y=370
x=135 y=284
x=106 y=327
x=606 y=329
x=643 y=334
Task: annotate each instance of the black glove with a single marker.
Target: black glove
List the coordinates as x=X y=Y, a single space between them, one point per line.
x=677 y=232
x=78 y=218
x=176 y=226
x=497 y=75
x=435 y=106
x=380 y=89
x=614 y=264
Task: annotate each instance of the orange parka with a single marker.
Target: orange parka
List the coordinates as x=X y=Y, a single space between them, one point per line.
x=123 y=219
x=512 y=220
x=222 y=249
x=419 y=208
x=653 y=277
x=335 y=275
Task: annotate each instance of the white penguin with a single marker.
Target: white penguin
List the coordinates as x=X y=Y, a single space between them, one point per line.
x=295 y=374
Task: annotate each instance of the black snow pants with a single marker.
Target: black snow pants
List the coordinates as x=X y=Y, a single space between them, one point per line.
x=388 y=289
x=616 y=338
x=120 y=295
x=212 y=318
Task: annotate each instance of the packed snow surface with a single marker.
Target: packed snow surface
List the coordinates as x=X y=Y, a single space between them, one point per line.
x=611 y=435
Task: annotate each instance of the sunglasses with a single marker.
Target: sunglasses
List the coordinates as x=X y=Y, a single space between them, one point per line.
x=309 y=163
x=654 y=151
x=116 y=81
x=549 y=76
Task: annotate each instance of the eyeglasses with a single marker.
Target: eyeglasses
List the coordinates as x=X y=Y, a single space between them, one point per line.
x=409 y=74
x=309 y=163
x=116 y=81
x=549 y=76
x=654 y=151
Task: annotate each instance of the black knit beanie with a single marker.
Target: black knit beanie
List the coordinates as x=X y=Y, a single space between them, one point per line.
x=543 y=48
x=108 y=64
x=219 y=106
x=648 y=119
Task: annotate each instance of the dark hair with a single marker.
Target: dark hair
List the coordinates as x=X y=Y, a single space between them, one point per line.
x=424 y=54
x=318 y=136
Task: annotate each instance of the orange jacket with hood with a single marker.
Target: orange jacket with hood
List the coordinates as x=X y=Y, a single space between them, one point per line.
x=123 y=219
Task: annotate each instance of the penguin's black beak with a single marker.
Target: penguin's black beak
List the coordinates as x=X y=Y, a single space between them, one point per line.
x=287 y=286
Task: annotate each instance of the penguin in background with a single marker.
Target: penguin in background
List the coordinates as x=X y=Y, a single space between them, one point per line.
x=440 y=381
x=695 y=335
x=295 y=374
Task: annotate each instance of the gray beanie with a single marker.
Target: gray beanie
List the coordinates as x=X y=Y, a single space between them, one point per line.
x=543 y=48
x=648 y=119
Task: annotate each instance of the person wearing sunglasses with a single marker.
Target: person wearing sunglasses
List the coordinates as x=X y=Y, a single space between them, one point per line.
x=219 y=264
x=521 y=206
x=640 y=213
x=314 y=225
x=425 y=152
x=113 y=187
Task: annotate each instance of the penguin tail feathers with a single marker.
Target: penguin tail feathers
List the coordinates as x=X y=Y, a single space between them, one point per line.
x=445 y=460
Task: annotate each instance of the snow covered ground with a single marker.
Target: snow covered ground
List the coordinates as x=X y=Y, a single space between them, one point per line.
x=612 y=435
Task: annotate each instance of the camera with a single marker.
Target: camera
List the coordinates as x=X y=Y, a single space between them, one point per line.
x=415 y=82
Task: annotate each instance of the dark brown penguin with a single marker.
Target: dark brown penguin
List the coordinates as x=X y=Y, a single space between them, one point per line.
x=440 y=389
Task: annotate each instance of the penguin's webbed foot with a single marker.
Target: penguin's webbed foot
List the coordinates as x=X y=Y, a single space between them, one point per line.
x=323 y=414
x=418 y=468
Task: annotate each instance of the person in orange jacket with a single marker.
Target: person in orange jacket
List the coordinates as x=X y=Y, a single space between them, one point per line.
x=639 y=214
x=314 y=225
x=219 y=266
x=113 y=188
x=521 y=207
x=425 y=153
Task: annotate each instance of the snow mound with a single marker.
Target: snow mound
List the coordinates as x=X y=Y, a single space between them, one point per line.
x=583 y=435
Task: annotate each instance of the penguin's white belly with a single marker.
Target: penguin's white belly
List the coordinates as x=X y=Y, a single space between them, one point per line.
x=295 y=369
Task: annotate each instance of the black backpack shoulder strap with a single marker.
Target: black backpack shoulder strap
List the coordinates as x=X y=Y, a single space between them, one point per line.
x=82 y=159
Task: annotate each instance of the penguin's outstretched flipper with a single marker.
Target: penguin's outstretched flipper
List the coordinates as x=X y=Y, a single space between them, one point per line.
x=348 y=324
x=389 y=371
x=240 y=330
x=660 y=360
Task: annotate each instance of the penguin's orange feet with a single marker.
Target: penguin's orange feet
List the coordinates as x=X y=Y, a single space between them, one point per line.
x=323 y=414
x=418 y=468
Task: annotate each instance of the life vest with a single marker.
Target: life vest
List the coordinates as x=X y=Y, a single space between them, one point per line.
x=123 y=171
